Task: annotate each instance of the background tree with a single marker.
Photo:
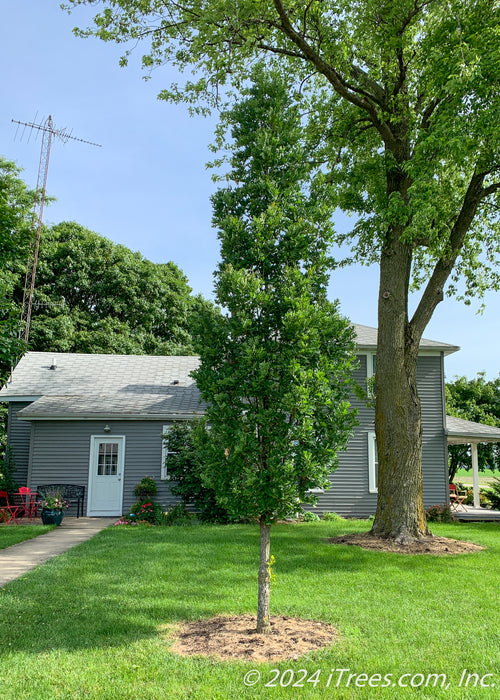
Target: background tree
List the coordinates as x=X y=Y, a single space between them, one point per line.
x=93 y=296
x=276 y=367
x=476 y=400
x=16 y=202
x=403 y=103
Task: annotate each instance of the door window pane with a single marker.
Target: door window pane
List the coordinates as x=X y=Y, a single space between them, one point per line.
x=107 y=461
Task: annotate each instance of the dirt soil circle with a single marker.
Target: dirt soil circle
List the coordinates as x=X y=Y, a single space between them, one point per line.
x=235 y=638
x=428 y=545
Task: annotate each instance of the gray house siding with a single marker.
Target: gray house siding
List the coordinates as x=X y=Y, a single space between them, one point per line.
x=60 y=450
x=349 y=494
x=18 y=437
x=61 y=454
x=430 y=377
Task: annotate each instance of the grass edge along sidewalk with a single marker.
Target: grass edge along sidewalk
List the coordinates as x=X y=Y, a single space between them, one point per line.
x=13 y=534
x=24 y=556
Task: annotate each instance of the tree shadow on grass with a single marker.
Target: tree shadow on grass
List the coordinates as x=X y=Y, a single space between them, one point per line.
x=121 y=588
x=127 y=584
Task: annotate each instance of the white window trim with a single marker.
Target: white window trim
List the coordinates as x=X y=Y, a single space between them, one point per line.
x=164 y=452
x=372 y=474
x=369 y=364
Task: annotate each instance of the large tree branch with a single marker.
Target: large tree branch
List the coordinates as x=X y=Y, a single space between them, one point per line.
x=377 y=90
x=281 y=51
x=433 y=293
x=428 y=112
x=365 y=101
x=487 y=191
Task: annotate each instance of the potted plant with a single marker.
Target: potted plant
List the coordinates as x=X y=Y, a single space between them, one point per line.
x=52 y=506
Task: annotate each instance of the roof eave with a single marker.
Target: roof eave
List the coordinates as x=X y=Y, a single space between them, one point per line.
x=172 y=415
x=455 y=438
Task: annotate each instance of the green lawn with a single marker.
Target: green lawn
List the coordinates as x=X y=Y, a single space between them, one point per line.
x=91 y=623
x=12 y=534
x=486 y=475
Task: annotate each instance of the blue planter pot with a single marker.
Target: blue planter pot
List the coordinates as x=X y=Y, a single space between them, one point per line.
x=52 y=517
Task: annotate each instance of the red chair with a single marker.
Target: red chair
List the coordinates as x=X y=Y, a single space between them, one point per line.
x=9 y=512
x=27 y=501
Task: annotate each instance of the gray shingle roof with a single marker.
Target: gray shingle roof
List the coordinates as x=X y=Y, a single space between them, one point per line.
x=366 y=337
x=179 y=402
x=78 y=374
x=119 y=386
x=111 y=386
x=460 y=431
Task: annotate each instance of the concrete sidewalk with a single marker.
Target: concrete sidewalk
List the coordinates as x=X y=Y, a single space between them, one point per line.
x=22 y=557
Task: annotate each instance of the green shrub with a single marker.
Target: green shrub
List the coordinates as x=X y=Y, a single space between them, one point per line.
x=309 y=517
x=331 y=517
x=185 y=469
x=178 y=515
x=493 y=494
x=7 y=466
x=440 y=514
x=145 y=489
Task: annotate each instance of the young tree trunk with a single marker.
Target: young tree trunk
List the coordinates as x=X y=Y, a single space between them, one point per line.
x=263 y=624
x=400 y=511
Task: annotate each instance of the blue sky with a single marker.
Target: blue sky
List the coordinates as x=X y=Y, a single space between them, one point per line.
x=148 y=187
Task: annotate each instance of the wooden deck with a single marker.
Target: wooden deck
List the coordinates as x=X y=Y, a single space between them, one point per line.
x=477 y=514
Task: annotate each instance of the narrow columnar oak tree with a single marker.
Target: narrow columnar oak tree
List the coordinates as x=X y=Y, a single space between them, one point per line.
x=404 y=106
x=276 y=365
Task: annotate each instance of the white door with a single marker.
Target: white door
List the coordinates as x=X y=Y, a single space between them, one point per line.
x=106 y=475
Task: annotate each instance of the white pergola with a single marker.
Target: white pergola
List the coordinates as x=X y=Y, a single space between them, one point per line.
x=465 y=432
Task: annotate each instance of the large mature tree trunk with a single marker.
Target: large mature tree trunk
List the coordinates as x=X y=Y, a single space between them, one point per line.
x=400 y=510
x=263 y=623
x=398 y=427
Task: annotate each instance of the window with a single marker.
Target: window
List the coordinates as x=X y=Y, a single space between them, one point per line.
x=164 y=453
x=107 y=459
x=372 y=463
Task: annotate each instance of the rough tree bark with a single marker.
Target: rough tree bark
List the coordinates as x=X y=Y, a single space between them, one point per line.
x=400 y=511
x=398 y=427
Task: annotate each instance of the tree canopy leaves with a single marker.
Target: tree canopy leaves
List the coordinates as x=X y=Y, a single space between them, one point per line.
x=275 y=367
x=93 y=295
x=16 y=202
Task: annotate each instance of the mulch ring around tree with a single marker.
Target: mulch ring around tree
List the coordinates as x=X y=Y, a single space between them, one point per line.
x=235 y=638
x=427 y=545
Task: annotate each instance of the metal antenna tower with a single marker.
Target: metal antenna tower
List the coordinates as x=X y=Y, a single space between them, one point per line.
x=48 y=132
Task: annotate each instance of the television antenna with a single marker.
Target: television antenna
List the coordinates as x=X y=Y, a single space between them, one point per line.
x=48 y=133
